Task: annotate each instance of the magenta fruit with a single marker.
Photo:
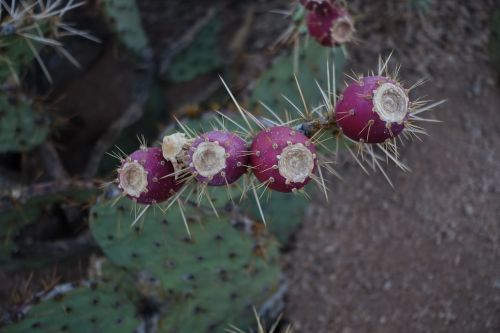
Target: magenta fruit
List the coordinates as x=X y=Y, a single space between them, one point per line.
x=330 y=24
x=147 y=178
x=372 y=109
x=218 y=158
x=284 y=158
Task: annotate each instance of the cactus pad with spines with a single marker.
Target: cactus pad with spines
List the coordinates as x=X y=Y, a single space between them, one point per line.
x=209 y=281
x=21 y=127
x=202 y=56
x=279 y=79
x=93 y=307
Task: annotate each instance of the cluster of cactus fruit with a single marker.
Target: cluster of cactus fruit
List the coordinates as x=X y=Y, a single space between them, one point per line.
x=371 y=111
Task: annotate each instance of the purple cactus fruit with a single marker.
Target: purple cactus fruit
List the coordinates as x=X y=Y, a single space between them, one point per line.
x=218 y=158
x=330 y=24
x=147 y=178
x=312 y=4
x=284 y=158
x=372 y=110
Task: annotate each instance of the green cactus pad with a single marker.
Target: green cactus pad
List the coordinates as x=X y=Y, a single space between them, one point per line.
x=209 y=281
x=94 y=307
x=21 y=128
x=283 y=212
x=279 y=79
x=125 y=18
x=202 y=56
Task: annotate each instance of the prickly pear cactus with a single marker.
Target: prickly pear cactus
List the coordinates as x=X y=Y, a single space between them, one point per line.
x=125 y=19
x=28 y=27
x=209 y=280
x=310 y=66
x=21 y=127
x=202 y=56
x=90 y=307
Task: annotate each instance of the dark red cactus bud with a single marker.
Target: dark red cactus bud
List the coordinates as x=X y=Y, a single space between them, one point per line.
x=218 y=158
x=330 y=24
x=372 y=109
x=313 y=4
x=147 y=178
x=284 y=158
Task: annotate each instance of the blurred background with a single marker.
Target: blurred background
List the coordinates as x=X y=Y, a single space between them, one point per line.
x=423 y=256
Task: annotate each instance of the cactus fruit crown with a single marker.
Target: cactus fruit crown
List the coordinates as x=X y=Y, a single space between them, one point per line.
x=209 y=158
x=133 y=179
x=296 y=163
x=391 y=103
x=342 y=29
x=218 y=158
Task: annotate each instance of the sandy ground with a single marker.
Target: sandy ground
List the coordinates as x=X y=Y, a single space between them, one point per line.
x=423 y=257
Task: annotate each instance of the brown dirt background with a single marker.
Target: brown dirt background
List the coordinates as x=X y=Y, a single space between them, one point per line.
x=423 y=257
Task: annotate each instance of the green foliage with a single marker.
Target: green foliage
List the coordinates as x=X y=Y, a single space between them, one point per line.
x=21 y=127
x=98 y=307
x=209 y=281
x=202 y=56
x=279 y=79
x=494 y=44
x=125 y=19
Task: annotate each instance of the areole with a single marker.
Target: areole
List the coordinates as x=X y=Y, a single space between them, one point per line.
x=342 y=30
